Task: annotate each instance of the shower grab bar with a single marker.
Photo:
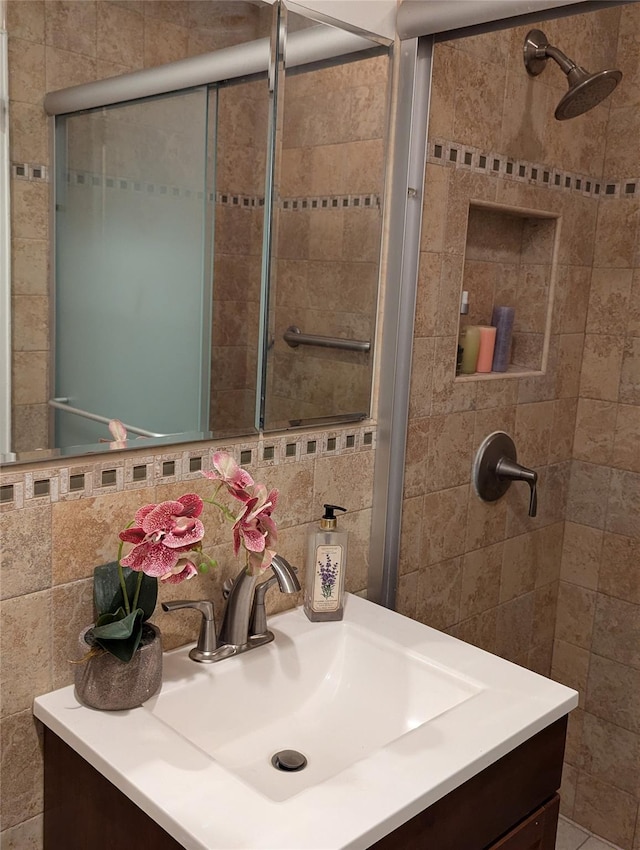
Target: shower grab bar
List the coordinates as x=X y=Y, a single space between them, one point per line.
x=294 y=337
x=62 y=403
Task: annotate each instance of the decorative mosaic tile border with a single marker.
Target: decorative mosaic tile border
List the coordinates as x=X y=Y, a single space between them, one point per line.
x=455 y=155
x=86 y=477
x=440 y=152
x=29 y=171
x=331 y=202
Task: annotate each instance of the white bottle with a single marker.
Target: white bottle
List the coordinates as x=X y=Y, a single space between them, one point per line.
x=325 y=569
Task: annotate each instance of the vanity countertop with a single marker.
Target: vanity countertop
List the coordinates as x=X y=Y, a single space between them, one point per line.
x=205 y=806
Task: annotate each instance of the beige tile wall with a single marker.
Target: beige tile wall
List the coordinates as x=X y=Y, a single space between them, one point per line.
x=486 y=572
x=502 y=567
x=50 y=546
x=598 y=626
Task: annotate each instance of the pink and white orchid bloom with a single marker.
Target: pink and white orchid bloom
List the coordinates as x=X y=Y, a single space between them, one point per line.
x=183 y=571
x=162 y=533
x=258 y=562
x=237 y=480
x=119 y=434
x=118 y=431
x=253 y=528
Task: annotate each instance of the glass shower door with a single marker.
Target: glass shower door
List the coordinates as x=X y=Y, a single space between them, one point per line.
x=133 y=267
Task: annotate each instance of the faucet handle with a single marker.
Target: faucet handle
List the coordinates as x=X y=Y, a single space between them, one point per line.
x=205 y=606
x=509 y=469
x=205 y=649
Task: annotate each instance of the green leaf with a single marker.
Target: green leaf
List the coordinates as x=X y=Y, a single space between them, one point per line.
x=105 y=619
x=107 y=590
x=148 y=593
x=121 y=636
x=106 y=583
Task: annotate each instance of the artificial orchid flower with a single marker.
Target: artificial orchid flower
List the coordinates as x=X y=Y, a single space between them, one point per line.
x=236 y=479
x=118 y=431
x=253 y=528
x=161 y=533
x=119 y=434
x=183 y=571
x=258 y=562
x=253 y=525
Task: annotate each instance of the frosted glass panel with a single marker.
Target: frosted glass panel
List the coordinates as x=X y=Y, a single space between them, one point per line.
x=133 y=312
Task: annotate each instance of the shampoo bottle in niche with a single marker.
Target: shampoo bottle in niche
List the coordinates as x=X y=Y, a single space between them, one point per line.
x=326 y=563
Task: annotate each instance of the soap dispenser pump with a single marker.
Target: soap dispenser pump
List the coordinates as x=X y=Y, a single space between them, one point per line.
x=325 y=569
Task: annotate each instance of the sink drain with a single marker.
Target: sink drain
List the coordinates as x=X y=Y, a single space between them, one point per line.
x=289 y=761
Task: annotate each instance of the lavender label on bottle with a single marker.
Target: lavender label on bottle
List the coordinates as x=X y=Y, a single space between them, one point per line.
x=326 y=588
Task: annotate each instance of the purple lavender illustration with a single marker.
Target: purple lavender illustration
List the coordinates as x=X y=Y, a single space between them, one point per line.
x=328 y=573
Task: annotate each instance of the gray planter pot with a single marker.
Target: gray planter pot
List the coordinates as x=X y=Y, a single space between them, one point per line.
x=109 y=684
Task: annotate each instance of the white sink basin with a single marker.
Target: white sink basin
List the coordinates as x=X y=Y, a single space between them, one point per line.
x=391 y=715
x=335 y=692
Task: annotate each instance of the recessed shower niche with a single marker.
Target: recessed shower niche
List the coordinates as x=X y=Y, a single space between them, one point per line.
x=507 y=291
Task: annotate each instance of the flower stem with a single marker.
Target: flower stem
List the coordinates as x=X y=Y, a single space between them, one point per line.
x=137 y=593
x=123 y=584
x=225 y=510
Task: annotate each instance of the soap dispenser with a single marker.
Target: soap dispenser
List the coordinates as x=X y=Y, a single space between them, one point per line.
x=325 y=569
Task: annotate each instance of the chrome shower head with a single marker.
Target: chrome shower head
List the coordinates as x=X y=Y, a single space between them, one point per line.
x=585 y=90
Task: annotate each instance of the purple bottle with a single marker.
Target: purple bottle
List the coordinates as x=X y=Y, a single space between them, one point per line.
x=502 y=319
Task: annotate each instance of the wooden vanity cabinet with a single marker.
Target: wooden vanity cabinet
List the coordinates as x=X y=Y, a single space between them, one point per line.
x=511 y=805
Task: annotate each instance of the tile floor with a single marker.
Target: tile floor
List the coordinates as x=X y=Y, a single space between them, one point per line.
x=573 y=837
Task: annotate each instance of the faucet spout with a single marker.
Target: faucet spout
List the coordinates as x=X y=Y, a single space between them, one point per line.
x=286 y=575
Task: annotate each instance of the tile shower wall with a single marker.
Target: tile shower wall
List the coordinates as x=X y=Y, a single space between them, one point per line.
x=51 y=542
x=486 y=572
x=597 y=641
x=61 y=43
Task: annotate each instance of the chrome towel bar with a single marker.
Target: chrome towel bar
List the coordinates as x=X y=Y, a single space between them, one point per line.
x=294 y=337
x=63 y=404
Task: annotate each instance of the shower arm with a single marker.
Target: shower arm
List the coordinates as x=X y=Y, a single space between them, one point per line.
x=558 y=56
x=537 y=51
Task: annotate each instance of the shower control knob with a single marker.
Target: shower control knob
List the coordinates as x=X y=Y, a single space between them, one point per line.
x=496 y=466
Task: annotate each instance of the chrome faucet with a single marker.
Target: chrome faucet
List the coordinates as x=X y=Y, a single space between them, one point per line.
x=244 y=626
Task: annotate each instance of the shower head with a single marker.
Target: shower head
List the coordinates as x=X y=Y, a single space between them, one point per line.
x=585 y=90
